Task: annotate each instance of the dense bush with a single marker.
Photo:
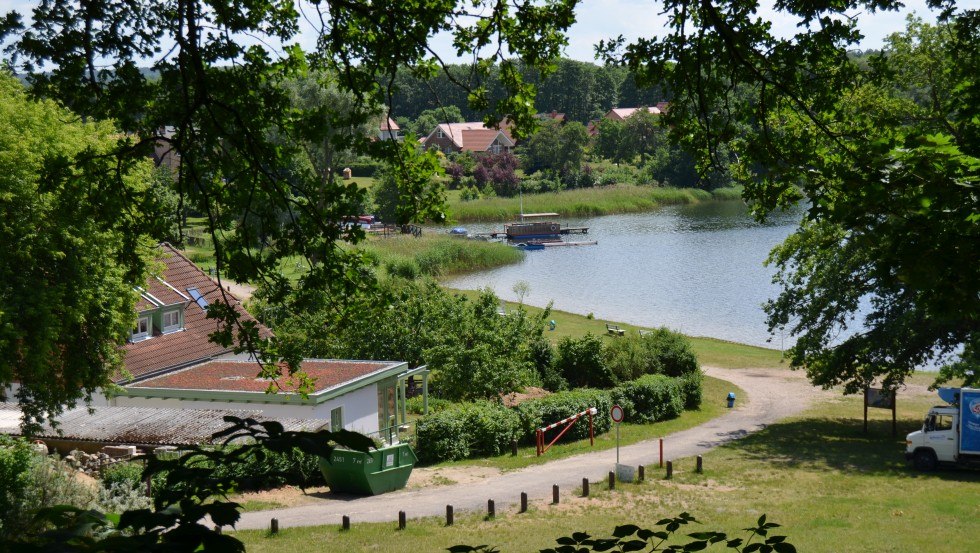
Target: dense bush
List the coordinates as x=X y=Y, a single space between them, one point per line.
x=659 y=351
x=130 y=474
x=473 y=429
x=692 y=389
x=650 y=398
x=580 y=361
x=441 y=436
x=15 y=461
x=673 y=350
x=364 y=168
x=30 y=481
x=547 y=410
x=414 y=405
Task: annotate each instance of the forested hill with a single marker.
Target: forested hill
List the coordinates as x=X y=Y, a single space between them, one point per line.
x=583 y=91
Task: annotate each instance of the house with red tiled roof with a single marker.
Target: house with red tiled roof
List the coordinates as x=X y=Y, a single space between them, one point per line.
x=172 y=329
x=622 y=114
x=469 y=137
x=170 y=363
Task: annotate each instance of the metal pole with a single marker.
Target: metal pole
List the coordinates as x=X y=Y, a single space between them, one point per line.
x=617 y=443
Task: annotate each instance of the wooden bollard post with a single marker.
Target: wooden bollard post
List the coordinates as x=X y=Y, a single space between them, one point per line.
x=345 y=523
x=401 y=520
x=700 y=465
x=449 y=515
x=523 y=502
x=274 y=526
x=670 y=470
x=612 y=480
x=640 y=473
x=513 y=448
x=661 y=453
x=585 y=487
x=491 y=510
x=554 y=494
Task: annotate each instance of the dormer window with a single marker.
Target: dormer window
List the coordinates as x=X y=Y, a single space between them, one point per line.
x=142 y=330
x=171 y=321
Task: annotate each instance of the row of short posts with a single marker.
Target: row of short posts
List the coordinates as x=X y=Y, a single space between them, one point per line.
x=491 y=507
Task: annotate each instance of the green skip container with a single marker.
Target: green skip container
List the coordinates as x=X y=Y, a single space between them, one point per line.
x=378 y=471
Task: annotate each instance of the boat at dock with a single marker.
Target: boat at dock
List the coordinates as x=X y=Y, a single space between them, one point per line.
x=536 y=226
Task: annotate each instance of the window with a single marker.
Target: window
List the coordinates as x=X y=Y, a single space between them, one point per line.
x=142 y=329
x=495 y=149
x=439 y=134
x=171 y=321
x=196 y=295
x=336 y=419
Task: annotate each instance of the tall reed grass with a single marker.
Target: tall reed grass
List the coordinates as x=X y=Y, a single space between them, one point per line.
x=581 y=202
x=437 y=255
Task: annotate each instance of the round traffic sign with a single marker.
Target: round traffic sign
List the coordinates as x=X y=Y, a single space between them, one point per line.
x=616 y=413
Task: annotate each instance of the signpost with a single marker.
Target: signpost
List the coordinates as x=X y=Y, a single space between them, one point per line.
x=623 y=473
x=882 y=399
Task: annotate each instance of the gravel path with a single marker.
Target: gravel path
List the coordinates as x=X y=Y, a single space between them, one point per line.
x=773 y=394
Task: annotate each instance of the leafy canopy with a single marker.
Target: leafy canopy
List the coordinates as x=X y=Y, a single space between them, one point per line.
x=883 y=274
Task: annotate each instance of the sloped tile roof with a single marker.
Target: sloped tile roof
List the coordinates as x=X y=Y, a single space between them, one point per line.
x=191 y=344
x=462 y=133
x=240 y=376
x=389 y=125
x=623 y=113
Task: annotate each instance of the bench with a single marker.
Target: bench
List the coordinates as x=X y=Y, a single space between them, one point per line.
x=644 y=332
x=615 y=330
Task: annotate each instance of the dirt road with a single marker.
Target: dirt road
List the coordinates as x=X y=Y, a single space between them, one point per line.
x=772 y=395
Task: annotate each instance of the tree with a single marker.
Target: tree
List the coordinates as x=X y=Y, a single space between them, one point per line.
x=75 y=234
x=611 y=141
x=556 y=147
x=428 y=119
x=883 y=274
x=218 y=76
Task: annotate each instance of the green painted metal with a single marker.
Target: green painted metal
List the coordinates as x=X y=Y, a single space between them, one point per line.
x=376 y=472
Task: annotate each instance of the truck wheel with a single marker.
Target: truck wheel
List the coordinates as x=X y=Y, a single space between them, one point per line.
x=924 y=460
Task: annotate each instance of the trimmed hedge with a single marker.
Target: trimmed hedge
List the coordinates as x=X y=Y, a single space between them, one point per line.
x=471 y=429
x=547 y=410
x=650 y=398
x=359 y=169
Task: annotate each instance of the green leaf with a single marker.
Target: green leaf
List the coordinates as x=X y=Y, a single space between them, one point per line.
x=625 y=530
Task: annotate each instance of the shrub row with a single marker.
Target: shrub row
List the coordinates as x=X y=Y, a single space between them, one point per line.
x=541 y=412
x=486 y=428
x=480 y=428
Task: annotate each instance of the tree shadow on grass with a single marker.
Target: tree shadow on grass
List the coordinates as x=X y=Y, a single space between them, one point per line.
x=841 y=444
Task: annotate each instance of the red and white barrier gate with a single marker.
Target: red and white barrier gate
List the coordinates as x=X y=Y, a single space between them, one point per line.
x=539 y=433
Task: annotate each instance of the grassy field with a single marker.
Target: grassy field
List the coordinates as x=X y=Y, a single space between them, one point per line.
x=710 y=351
x=832 y=487
x=582 y=202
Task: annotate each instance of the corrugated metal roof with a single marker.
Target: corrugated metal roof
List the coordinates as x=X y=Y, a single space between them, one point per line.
x=142 y=425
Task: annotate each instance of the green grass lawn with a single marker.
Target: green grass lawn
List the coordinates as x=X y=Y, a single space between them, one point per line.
x=831 y=487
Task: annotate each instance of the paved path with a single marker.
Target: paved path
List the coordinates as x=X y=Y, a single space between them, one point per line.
x=773 y=395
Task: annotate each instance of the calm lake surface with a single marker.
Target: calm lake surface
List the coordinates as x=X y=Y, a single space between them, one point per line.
x=696 y=269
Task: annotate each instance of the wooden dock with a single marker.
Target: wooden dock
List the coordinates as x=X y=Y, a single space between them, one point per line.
x=563 y=231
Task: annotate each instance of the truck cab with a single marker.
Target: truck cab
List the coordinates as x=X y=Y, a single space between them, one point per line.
x=937 y=441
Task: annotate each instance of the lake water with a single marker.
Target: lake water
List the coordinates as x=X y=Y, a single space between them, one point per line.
x=697 y=269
